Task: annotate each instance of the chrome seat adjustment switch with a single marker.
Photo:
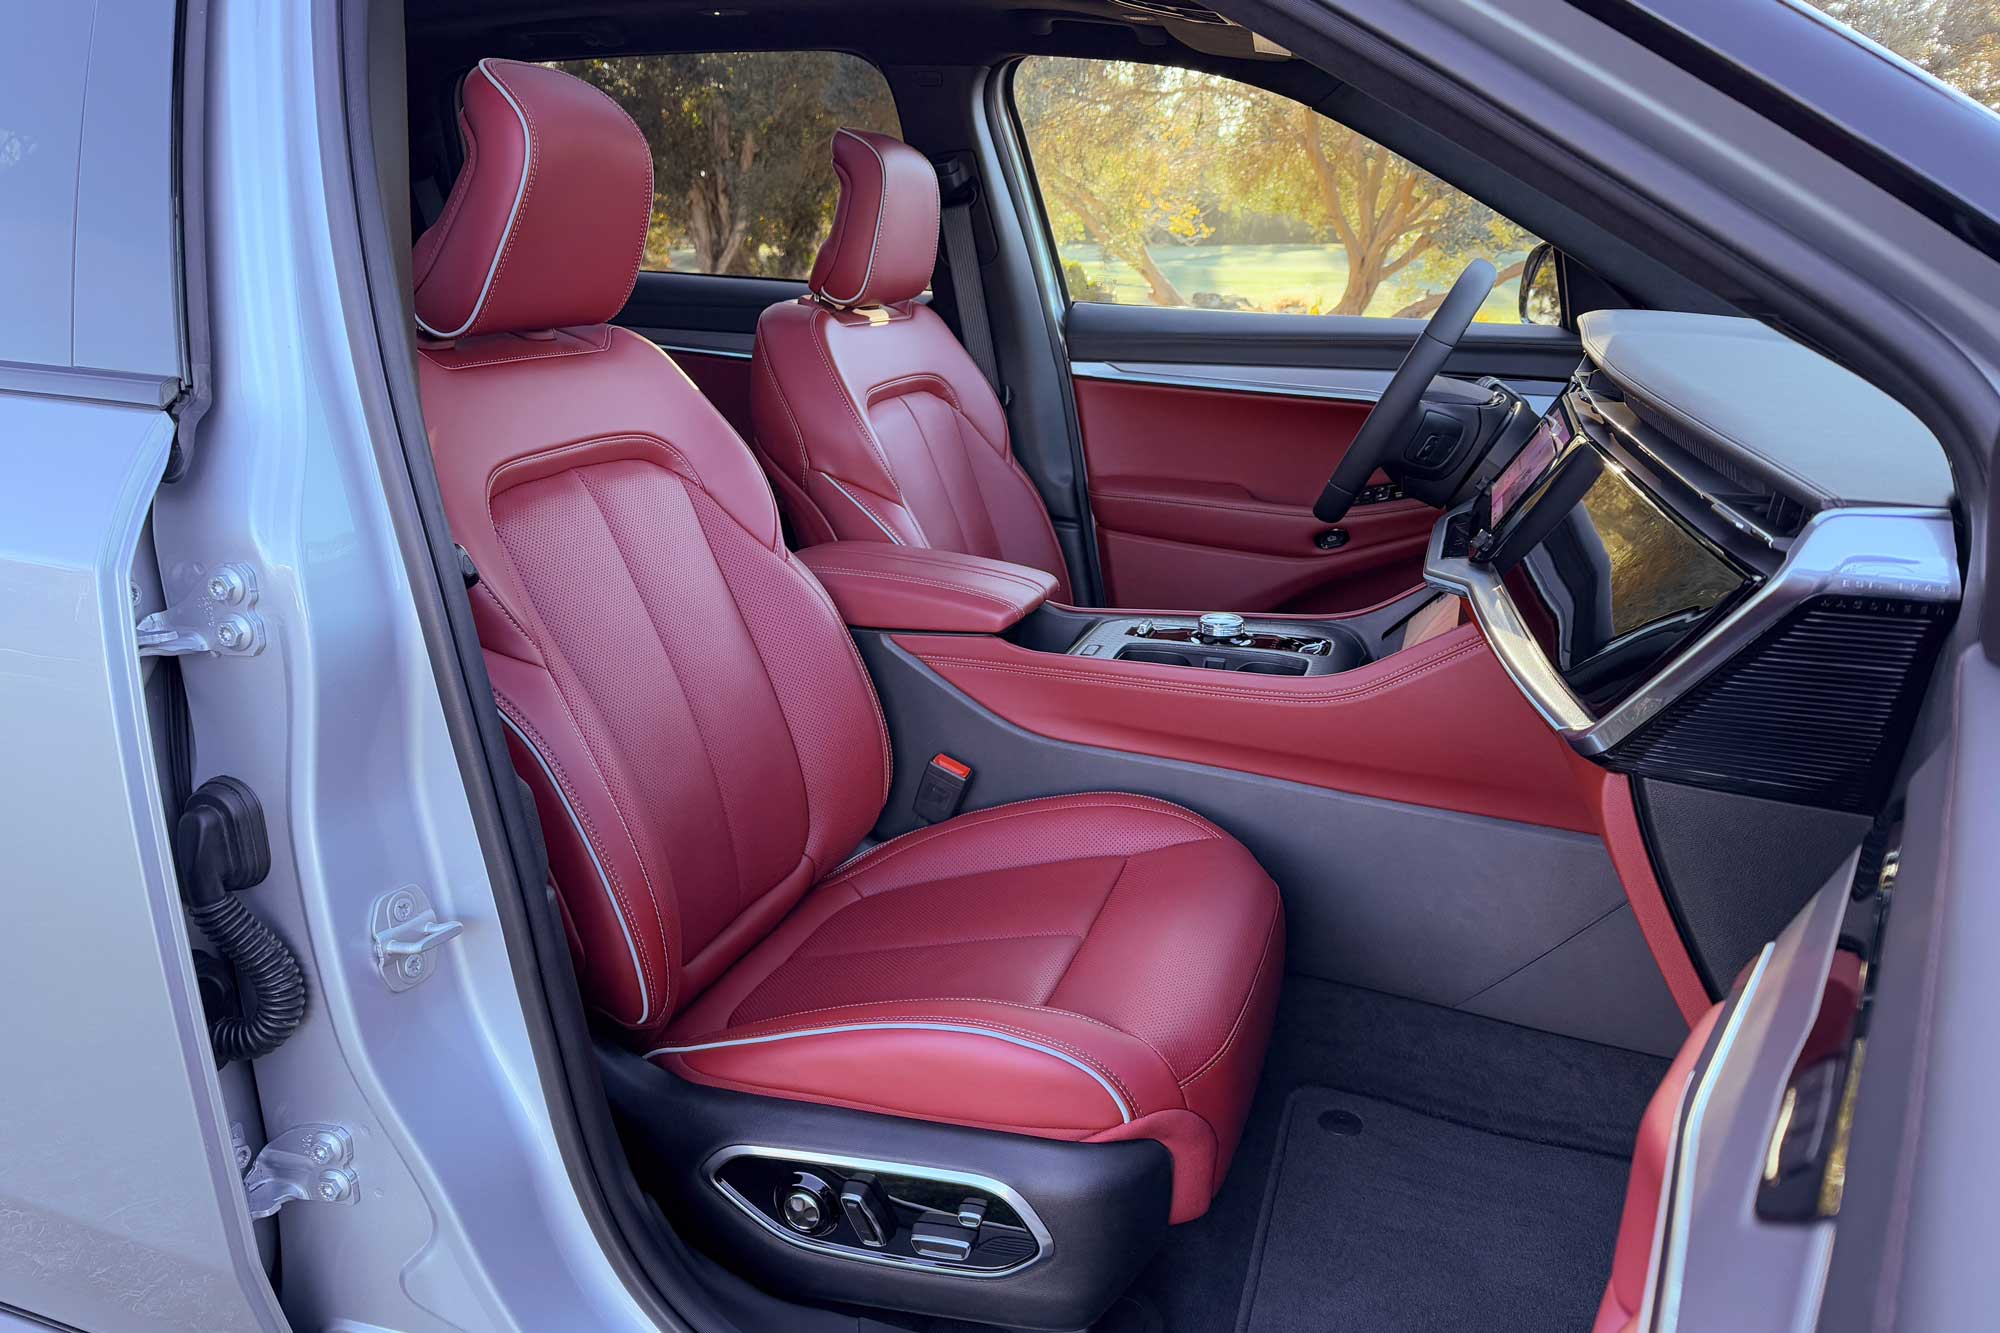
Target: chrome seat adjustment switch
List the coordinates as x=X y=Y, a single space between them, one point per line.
x=867 y=1211
x=946 y=1241
x=807 y=1204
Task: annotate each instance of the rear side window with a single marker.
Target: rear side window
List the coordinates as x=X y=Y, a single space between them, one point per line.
x=1172 y=187
x=742 y=173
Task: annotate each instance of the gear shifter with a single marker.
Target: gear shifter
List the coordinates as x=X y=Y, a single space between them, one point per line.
x=1220 y=627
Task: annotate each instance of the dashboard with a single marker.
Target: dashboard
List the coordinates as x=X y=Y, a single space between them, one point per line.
x=1718 y=559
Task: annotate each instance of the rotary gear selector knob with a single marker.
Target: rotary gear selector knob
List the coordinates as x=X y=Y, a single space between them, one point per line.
x=1220 y=626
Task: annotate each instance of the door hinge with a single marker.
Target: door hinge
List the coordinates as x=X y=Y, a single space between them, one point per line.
x=217 y=614
x=406 y=932
x=307 y=1163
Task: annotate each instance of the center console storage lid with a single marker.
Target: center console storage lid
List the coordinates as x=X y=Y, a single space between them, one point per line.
x=882 y=586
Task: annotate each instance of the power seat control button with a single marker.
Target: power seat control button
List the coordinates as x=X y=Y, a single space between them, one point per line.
x=867 y=1211
x=807 y=1204
x=946 y=1241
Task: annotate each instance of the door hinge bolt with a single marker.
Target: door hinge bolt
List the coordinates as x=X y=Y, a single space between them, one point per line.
x=215 y=615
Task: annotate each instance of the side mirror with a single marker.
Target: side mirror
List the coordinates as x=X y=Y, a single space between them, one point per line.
x=1541 y=287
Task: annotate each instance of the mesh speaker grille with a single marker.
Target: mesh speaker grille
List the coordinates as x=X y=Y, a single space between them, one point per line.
x=1815 y=711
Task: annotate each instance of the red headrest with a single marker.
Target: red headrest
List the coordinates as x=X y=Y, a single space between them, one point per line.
x=546 y=224
x=885 y=230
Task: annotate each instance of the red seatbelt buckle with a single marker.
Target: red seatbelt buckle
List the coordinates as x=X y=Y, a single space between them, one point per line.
x=941 y=790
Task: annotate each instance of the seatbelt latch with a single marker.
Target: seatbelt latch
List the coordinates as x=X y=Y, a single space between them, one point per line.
x=941 y=789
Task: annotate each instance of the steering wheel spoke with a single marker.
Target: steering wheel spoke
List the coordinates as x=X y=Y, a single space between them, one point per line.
x=1401 y=405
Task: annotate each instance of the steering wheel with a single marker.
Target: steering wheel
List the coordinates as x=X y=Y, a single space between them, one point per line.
x=1402 y=403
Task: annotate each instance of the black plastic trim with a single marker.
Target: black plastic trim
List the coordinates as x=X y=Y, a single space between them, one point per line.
x=1105 y=1204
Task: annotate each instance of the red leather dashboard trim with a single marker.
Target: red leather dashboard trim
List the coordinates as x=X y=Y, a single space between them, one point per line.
x=1618 y=825
x=916 y=588
x=1440 y=725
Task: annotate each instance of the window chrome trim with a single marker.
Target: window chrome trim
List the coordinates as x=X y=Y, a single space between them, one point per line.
x=726 y=353
x=1045 y=1244
x=1114 y=372
x=1907 y=554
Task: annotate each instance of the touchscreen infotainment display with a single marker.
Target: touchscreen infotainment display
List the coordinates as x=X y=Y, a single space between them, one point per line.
x=1616 y=584
x=1551 y=436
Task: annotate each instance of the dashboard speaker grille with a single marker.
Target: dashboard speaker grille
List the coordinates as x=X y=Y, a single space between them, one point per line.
x=1813 y=712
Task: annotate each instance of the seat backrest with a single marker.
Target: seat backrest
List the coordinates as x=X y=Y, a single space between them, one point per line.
x=873 y=421
x=699 y=732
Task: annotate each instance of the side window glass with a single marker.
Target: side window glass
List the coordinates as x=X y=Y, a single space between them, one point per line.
x=743 y=179
x=1172 y=187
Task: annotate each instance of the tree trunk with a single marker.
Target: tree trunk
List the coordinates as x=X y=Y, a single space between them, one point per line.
x=1429 y=304
x=1160 y=288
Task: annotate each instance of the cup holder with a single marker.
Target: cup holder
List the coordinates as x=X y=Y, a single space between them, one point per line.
x=1273 y=667
x=1163 y=656
x=1216 y=660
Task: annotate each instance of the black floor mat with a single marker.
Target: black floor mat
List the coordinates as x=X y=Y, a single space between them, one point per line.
x=1463 y=1069
x=1384 y=1220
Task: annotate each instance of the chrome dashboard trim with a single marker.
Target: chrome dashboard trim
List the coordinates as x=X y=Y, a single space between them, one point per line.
x=1907 y=554
x=1045 y=1243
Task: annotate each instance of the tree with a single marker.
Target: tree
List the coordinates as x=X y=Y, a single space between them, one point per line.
x=1955 y=41
x=1387 y=215
x=1119 y=150
x=742 y=172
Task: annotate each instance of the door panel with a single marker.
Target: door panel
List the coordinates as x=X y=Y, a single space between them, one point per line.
x=708 y=325
x=1208 y=436
x=1204 y=498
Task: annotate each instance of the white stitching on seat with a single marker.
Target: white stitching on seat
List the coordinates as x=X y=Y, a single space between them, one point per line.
x=513 y=214
x=1124 y=1111
x=886 y=532
x=881 y=207
x=638 y=973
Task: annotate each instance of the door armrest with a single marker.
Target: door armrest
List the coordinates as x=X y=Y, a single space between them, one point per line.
x=880 y=586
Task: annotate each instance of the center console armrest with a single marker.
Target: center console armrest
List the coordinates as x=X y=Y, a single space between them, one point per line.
x=881 y=586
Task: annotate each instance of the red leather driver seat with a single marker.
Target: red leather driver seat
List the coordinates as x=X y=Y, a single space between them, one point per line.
x=872 y=420
x=705 y=747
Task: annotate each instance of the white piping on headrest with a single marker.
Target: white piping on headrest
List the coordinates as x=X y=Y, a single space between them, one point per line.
x=881 y=207
x=520 y=192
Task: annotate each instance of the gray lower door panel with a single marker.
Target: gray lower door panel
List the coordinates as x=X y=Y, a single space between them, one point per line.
x=1514 y=921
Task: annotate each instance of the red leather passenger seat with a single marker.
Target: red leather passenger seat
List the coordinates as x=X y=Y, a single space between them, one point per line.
x=873 y=421
x=705 y=746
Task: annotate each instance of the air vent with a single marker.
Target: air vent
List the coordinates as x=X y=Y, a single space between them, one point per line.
x=1779 y=515
x=1815 y=712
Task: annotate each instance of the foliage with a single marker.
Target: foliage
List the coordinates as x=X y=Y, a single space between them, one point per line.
x=742 y=174
x=1135 y=156
x=1956 y=41
x=1119 y=149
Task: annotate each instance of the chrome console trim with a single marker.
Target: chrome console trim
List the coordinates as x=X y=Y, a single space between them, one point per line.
x=1045 y=1244
x=1904 y=554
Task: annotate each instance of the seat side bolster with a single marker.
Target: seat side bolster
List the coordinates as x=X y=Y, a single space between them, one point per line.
x=968 y=1061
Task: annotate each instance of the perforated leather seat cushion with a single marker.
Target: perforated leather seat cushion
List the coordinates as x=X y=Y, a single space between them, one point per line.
x=1075 y=967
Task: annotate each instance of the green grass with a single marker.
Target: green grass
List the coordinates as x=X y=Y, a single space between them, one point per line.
x=1300 y=277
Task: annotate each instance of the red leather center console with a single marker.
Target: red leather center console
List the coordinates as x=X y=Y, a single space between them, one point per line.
x=880 y=586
